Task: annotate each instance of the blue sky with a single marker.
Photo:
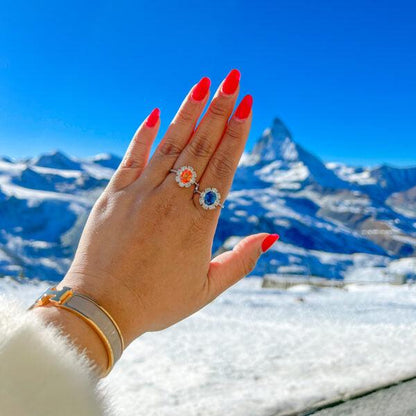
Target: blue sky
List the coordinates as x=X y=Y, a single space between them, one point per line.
x=80 y=76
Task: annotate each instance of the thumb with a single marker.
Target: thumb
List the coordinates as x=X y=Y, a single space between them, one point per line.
x=228 y=268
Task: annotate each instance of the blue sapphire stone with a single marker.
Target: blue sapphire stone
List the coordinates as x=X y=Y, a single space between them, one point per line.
x=210 y=198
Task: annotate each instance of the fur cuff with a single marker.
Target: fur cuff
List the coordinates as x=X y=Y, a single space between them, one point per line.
x=41 y=370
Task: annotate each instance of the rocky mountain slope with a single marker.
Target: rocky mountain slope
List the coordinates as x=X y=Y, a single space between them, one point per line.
x=335 y=221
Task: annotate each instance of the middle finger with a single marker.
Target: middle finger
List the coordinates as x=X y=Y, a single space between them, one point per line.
x=208 y=134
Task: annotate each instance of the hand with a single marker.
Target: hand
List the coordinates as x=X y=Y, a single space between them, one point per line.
x=145 y=252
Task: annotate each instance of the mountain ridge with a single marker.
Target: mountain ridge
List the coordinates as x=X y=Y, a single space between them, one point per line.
x=335 y=221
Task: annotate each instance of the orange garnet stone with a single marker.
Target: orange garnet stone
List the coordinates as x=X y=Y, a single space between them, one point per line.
x=186 y=176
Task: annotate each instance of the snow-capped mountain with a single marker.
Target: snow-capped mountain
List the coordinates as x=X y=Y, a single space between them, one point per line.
x=335 y=220
x=280 y=160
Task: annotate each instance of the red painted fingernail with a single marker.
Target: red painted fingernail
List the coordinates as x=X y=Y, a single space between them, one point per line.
x=201 y=89
x=230 y=84
x=244 y=108
x=269 y=241
x=153 y=118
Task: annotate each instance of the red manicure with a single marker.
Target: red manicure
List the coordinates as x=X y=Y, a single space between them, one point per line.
x=269 y=241
x=201 y=89
x=153 y=118
x=231 y=82
x=244 y=108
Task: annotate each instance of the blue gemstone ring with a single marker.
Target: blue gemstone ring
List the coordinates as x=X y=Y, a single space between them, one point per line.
x=209 y=198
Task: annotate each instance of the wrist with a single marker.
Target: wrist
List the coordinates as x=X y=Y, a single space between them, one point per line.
x=109 y=297
x=80 y=332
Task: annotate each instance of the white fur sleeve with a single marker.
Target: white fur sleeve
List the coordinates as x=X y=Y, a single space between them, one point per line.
x=41 y=371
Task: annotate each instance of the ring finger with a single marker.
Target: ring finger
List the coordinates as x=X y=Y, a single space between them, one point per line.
x=223 y=164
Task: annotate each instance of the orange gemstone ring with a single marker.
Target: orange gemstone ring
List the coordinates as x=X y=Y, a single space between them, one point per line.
x=185 y=176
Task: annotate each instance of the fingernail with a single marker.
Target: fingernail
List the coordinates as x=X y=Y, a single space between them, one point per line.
x=201 y=89
x=244 y=108
x=153 y=118
x=230 y=84
x=269 y=241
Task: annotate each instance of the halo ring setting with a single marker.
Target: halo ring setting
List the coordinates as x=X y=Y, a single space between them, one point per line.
x=185 y=176
x=210 y=198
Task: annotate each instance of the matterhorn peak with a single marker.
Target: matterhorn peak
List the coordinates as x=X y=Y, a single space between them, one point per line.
x=280 y=130
x=276 y=143
x=276 y=151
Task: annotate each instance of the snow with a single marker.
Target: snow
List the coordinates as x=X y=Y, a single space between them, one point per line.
x=36 y=194
x=97 y=171
x=59 y=172
x=279 y=187
x=403 y=267
x=361 y=176
x=259 y=352
x=106 y=160
x=285 y=179
x=247 y=160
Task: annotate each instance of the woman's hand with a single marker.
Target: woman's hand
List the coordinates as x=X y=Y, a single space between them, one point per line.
x=145 y=252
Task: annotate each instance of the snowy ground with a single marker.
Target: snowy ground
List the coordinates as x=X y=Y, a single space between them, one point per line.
x=397 y=400
x=260 y=352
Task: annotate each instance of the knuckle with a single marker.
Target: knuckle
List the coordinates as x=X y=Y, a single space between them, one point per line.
x=130 y=162
x=201 y=146
x=247 y=264
x=169 y=148
x=185 y=116
x=218 y=109
x=134 y=164
x=107 y=202
x=234 y=131
x=222 y=165
x=140 y=145
x=101 y=204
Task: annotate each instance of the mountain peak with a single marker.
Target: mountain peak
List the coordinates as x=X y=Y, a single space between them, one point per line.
x=276 y=151
x=280 y=130
x=6 y=159
x=57 y=160
x=276 y=143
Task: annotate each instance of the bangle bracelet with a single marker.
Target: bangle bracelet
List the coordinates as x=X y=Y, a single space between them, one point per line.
x=92 y=313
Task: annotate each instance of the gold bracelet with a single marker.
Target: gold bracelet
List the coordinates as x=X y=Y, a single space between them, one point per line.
x=92 y=313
